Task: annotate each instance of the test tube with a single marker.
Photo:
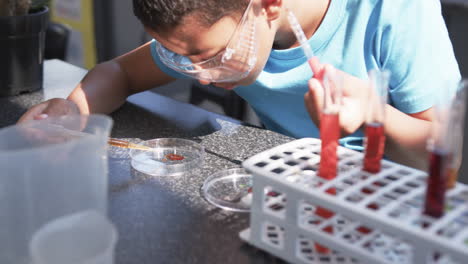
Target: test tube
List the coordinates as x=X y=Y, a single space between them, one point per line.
x=439 y=156
x=435 y=193
x=456 y=128
x=329 y=135
x=329 y=122
x=375 y=120
x=329 y=119
x=330 y=125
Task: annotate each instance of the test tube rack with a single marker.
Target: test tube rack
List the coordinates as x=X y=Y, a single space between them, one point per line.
x=377 y=217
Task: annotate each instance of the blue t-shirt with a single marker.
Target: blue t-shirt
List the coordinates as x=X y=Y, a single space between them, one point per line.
x=407 y=37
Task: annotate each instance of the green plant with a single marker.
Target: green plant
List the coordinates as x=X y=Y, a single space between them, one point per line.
x=20 y=7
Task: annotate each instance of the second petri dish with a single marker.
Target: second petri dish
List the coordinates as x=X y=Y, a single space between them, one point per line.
x=168 y=157
x=229 y=190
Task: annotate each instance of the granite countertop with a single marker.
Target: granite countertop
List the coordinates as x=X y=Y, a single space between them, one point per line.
x=166 y=219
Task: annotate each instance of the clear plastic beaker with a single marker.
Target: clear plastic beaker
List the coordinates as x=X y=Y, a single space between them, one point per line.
x=86 y=237
x=49 y=168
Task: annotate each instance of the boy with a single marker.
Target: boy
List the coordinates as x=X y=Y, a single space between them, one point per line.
x=248 y=46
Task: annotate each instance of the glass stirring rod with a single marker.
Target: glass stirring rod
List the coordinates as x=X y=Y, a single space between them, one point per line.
x=111 y=141
x=126 y=144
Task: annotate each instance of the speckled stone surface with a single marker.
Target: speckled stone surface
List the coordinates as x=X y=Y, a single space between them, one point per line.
x=166 y=219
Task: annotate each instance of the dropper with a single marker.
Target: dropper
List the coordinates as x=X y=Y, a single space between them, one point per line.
x=301 y=37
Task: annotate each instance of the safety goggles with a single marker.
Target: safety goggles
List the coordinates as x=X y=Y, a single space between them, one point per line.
x=233 y=63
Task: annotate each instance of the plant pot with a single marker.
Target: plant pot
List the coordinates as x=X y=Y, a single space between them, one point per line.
x=22 y=41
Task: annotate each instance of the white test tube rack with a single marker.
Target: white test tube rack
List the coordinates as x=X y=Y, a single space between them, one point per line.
x=378 y=217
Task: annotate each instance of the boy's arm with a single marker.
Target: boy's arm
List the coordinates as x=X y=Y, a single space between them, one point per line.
x=407 y=136
x=106 y=86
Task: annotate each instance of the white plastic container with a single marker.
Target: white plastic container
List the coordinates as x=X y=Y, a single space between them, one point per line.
x=86 y=237
x=377 y=217
x=49 y=168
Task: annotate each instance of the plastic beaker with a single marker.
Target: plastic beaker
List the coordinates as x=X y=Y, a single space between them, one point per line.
x=83 y=238
x=49 y=168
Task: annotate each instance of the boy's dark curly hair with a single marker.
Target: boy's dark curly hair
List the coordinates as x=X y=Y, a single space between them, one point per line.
x=163 y=15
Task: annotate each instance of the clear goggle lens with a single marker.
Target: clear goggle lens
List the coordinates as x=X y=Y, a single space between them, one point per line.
x=235 y=62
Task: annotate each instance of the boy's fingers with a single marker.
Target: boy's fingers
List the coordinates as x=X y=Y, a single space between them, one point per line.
x=51 y=107
x=41 y=116
x=32 y=113
x=330 y=70
x=203 y=82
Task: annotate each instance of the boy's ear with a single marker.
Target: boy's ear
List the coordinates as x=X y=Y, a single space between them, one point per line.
x=272 y=8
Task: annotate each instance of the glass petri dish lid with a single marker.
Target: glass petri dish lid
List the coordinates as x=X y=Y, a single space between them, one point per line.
x=229 y=189
x=168 y=157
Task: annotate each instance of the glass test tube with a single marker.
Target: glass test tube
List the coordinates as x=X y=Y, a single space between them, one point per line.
x=330 y=125
x=375 y=119
x=329 y=135
x=439 y=147
x=456 y=128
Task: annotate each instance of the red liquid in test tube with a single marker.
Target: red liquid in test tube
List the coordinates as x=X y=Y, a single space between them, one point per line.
x=435 y=193
x=374 y=147
x=329 y=135
x=441 y=148
x=375 y=119
x=329 y=127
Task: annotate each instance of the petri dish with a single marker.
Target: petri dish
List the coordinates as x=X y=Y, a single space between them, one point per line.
x=168 y=157
x=229 y=190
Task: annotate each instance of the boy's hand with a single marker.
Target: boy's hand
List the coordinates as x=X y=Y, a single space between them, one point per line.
x=355 y=94
x=52 y=107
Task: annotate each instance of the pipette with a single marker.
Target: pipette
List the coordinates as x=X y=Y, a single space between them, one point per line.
x=301 y=37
